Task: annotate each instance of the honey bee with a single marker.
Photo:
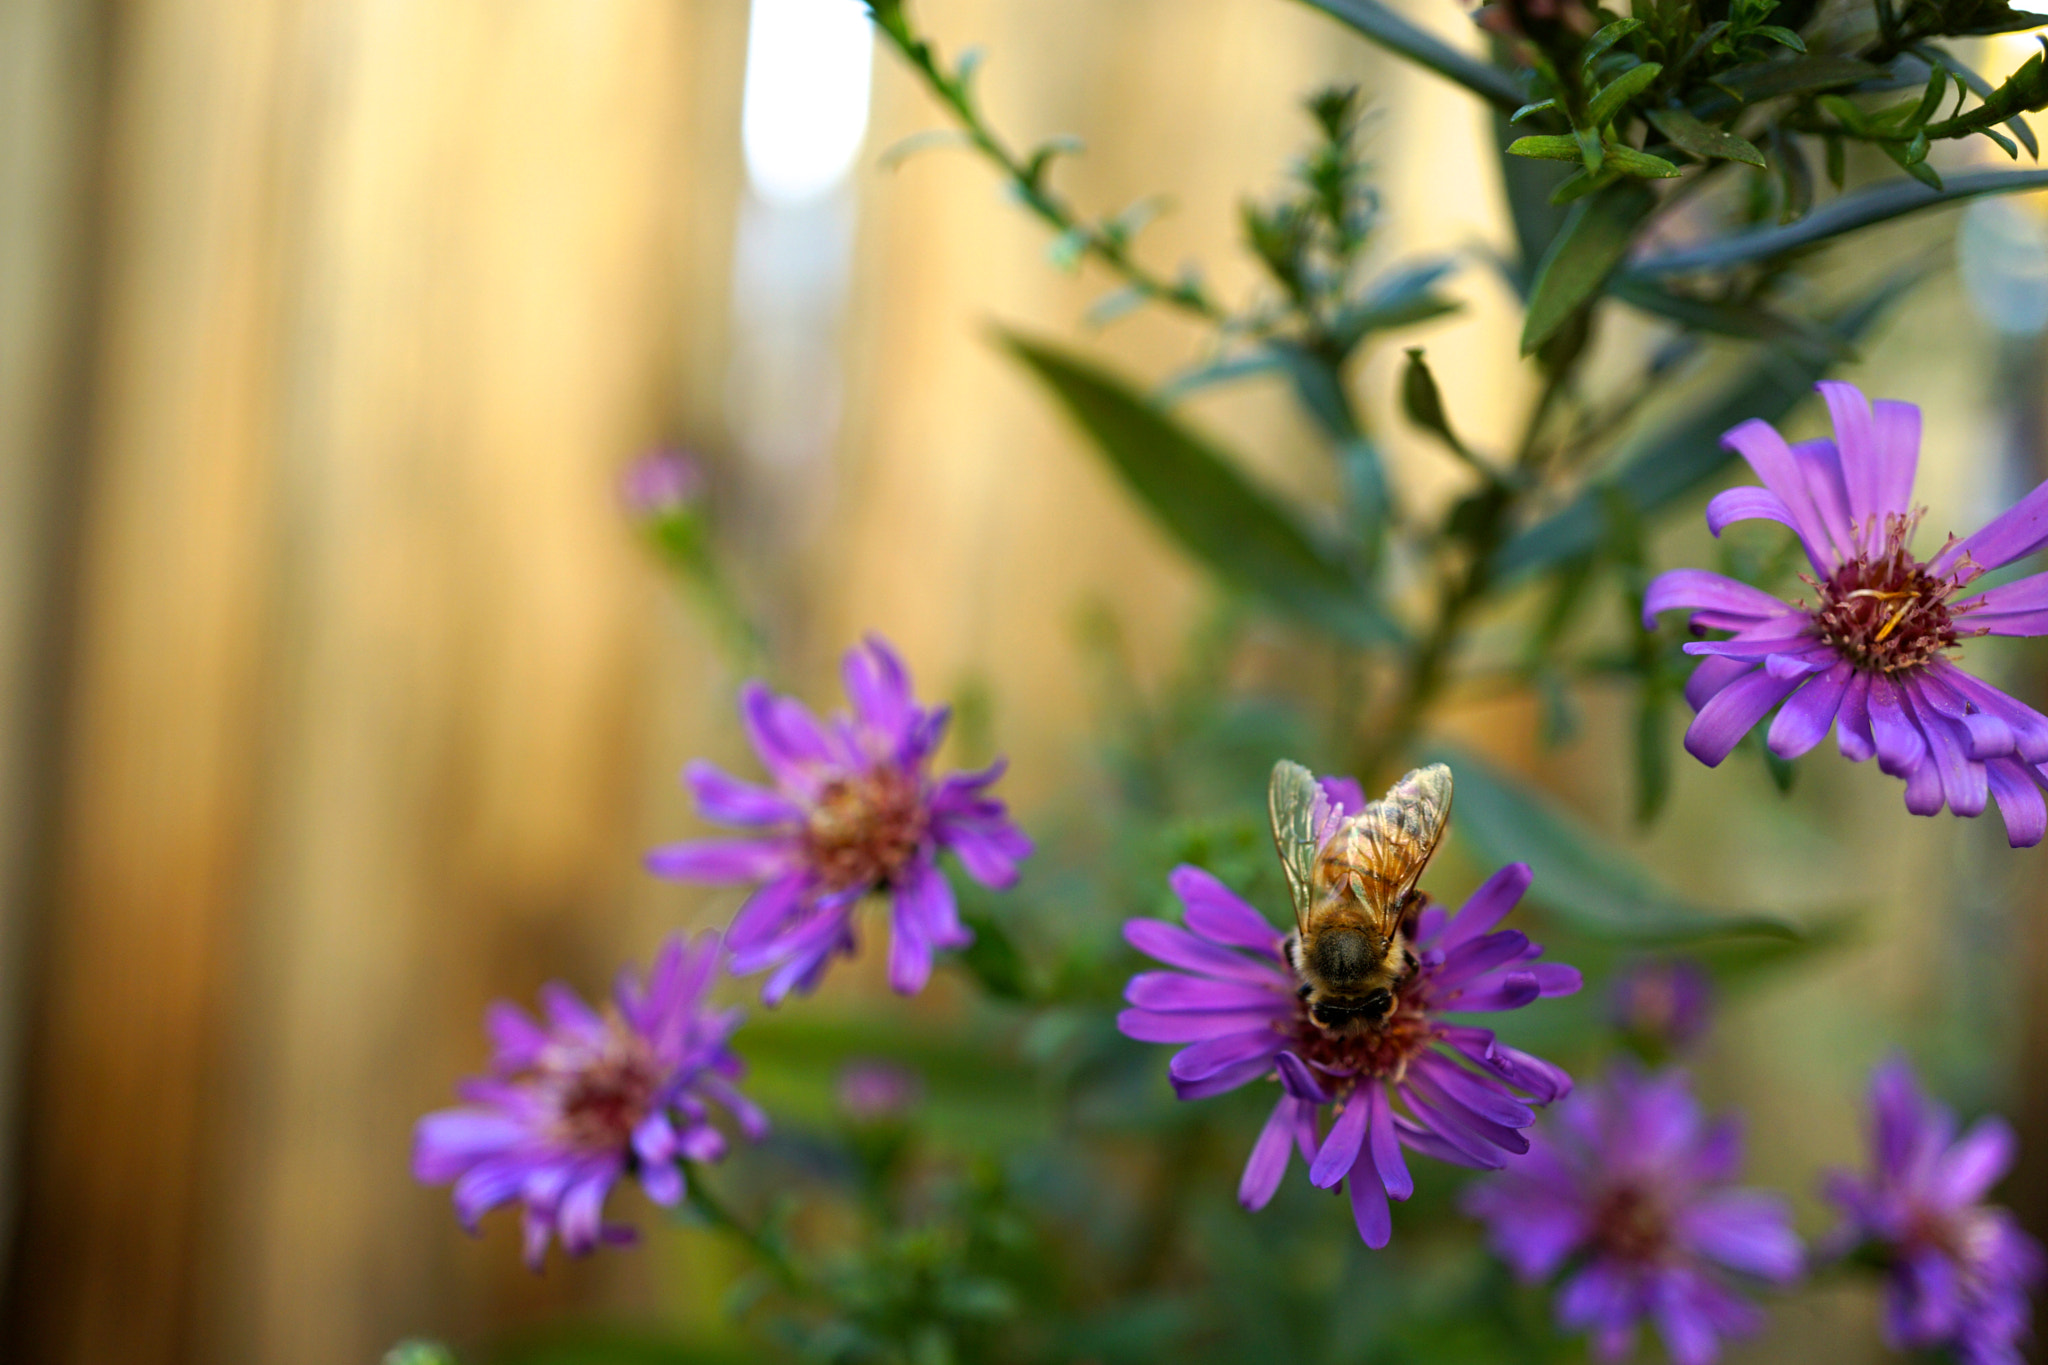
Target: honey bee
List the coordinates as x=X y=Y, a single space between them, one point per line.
x=1352 y=876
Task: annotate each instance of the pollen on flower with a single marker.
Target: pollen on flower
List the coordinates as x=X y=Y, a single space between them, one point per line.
x=865 y=828
x=1883 y=611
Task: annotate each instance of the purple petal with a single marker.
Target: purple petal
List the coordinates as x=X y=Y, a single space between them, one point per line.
x=2013 y=534
x=1267 y=1164
x=1963 y=782
x=1719 y=603
x=1370 y=1212
x=1923 y=789
x=1230 y=1078
x=448 y=1142
x=878 y=685
x=1731 y=714
x=516 y=1039
x=1710 y=677
x=1341 y=1148
x=1808 y=713
x=1821 y=466
x=1509 y=992
x=1344 y=792
x=1765 y=450
x=1979 y=1160
x=787 y=737
x=1861 y=457
x=1852 y=721
x=1481 y=1096
x=2029 y=727
x=1456 y=1120
x=1747 y=503
x=1173 y=993
x=910 y=946
x=581 y=1214
x=1299 y=1081
x=766 y=912
x=1418 y=1136
x=1207 y=1058
x=1148 y=1027
x=723 y=860
x=1474 y=958
x=1176 y=947
x=1554 y=979
x=990 y=850
x=1487 y=906
x=1897 y=454
x=725 y=800
x=1218 y=914
x=1384 y=1142
x=1900 y=745
x=1599 y=1296
x=2019 y=802
x=1746 y=1231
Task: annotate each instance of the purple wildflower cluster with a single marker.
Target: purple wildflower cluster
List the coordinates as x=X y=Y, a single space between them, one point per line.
x=1959 y=1271
x=1871 y=655
x=1417 y=1081
x=1631 y=1184
x=854 y=810
x=575 y=1103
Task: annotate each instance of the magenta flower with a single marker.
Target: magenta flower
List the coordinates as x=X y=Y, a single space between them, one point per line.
x=662 y=483
x=1959 y=1270
x=1871 y=655
x=575 y=1104
x=1631 y=1184
x=1447 y=1090
x=854 y=810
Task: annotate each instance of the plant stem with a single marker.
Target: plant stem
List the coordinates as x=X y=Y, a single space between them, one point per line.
x=767 y=1252
x=1027 y=178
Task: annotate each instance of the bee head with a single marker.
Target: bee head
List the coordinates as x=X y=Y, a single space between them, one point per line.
x=1342 y=957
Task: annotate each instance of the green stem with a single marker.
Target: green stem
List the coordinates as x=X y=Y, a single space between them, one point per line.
x=1027 y=178
x=767 y=1252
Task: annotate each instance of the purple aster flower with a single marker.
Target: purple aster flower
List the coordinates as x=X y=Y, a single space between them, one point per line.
x=1667 y=1004
x=1417 y=1080
x=1871 y=656
x=574 y=1104
x=873 y=1091
x=662 y=483
x=1631 y=1183
x=1959 y=1270
x=854 y=810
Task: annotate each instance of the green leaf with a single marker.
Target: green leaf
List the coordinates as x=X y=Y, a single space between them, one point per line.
x=1203 y=500
x=1546 y=147
x=1214 y=373
x=1424 y=406
x=1768 y=80
x=1864 y=208
x=1690 y=133
x=1781 y=35
x=1595 y=239
x=1528 y=186
x=1680 y=456
x=1387 y=28
x=1616 y=94
x=1597 y=45
x=1746 y=321
x=930 y=138
x=1642 y=165
x=1978 y=86
x=992 y=959
x=1529 y=109
x=1582 y=884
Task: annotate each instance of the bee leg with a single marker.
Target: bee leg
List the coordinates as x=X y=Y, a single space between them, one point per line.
x=1305 y=991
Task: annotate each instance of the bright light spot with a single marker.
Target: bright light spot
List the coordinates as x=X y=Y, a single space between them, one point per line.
x=806 y=104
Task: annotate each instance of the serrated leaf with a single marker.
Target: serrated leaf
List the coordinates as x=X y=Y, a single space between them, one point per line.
x=1579 y=881
x=1546 y=147
x=1616 y=94
x=1864 y=208
x=1595 y=239
x=1690 y=133
x=1390 y=30
x=1681 y=455
x=1201 y=497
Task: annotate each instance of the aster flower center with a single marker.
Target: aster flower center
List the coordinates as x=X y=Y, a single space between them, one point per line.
x=1374 y=1052
x=1883 y=611
x=863 y=829
x=1630 y=1224
x=600 y=1100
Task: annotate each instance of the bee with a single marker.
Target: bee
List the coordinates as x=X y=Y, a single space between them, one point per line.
x=1352 y=876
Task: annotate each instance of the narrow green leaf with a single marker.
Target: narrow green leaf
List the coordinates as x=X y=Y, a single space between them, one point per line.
x=1211 y=374
x=1642 y=165
x=1597 y=45
x=1595 y=239
x=1527 y=186
x=1546 y=147
x=1690 y=133
x=1205 y=502
x=1878 y=204
x=1579 y=881
x=1747 y=321
x=1677 y=458
x=1387 y=28
x=1781 y=35
x=1978 y=86
x=1653 y=751
x=1526 y=110
x=1616 y=94
x=1768 y=80
x=930 y=138
x=1903 y=158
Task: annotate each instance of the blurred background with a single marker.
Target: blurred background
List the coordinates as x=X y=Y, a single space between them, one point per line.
x=338 y=695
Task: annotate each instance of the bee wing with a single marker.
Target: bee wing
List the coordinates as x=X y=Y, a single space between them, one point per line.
x=1392 y=840
x=1291 y=800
